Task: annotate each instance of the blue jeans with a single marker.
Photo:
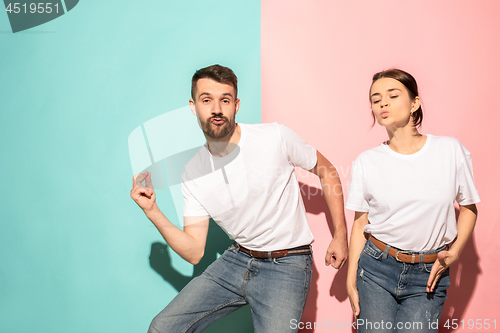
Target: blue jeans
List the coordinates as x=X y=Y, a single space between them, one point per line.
x=276 y=290
x=393 y=296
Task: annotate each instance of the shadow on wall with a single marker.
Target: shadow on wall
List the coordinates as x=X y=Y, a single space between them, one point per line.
x=463 y=280
x=217 y=243
x=315 y=204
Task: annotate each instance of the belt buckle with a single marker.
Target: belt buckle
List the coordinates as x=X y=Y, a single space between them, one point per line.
x=407 y=253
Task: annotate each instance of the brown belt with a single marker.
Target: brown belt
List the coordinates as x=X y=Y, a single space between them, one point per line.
x=401 y=255
x=305 y=249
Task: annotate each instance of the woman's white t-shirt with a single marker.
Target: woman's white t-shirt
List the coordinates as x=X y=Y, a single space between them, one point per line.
x=410 y=198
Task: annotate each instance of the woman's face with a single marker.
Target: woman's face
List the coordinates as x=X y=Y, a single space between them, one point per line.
x=391 y=103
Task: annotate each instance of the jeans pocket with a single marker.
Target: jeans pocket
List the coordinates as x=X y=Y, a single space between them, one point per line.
x=428 y=267
x=372 y=251
x=302 y=262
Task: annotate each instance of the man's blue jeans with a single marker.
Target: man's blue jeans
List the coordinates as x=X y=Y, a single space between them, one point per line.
x=276 y=290
x=393 y=296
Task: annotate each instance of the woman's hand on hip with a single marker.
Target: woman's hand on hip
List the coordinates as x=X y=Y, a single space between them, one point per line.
x=444 y=260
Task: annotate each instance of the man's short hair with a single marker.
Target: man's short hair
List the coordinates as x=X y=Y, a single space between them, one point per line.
x=217 y=73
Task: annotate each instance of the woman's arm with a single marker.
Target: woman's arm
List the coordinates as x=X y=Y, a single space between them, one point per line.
x=356 y=245
x=465 y=225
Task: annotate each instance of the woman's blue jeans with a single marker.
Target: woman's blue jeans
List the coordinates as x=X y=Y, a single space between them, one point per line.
x=276 y=290
x=393 y=296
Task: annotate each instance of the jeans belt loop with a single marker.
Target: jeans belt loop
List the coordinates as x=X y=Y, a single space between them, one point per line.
x=421 y=260
x=386 y=252
x=413 y=258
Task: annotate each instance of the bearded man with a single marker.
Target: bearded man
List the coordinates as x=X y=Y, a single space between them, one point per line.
x=244 y=179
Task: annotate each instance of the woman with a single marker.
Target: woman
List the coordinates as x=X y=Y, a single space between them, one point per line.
x=403 y=193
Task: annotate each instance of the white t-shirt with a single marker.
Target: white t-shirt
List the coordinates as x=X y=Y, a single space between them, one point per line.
x=409 y=198
x=253 y=193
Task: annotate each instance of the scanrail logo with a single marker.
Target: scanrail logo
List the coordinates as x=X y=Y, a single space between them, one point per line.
x=28 y=14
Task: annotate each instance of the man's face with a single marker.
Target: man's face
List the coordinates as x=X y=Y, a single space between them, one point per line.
x=215 y=105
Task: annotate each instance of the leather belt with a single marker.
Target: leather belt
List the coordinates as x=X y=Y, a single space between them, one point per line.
x=300 y=250
x=404 y=256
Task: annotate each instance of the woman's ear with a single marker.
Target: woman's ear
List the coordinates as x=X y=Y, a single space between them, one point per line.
x=415 y=104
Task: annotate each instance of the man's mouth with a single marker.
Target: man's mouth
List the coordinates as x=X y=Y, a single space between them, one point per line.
x=217 y=121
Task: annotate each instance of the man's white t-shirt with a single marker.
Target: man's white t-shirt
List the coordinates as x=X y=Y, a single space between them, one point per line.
x=410 y=198
x=253 y=193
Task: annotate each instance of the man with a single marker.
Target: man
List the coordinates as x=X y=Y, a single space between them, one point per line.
x=244 y=179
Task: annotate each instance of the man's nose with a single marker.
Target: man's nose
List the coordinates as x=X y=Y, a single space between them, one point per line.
x=216 y=108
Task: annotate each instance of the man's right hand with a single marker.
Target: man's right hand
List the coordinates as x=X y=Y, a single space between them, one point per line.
x=144 y=196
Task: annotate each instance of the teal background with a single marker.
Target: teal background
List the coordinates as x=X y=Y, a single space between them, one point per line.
x=74 y=248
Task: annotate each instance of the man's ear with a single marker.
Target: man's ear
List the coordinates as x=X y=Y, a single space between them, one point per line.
x=192 y=107
x=237 y=104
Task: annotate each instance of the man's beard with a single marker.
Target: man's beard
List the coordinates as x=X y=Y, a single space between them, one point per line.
x=218 y=132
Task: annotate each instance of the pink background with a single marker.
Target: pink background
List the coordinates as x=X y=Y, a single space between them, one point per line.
x=318 y=57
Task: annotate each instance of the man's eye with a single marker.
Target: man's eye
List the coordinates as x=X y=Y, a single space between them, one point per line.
x=226 y=101
x=206 y=100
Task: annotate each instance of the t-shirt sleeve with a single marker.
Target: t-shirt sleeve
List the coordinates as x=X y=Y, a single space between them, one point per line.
x=298 y=152
x=467 y=192
x=192 y=207
x=356 y=200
